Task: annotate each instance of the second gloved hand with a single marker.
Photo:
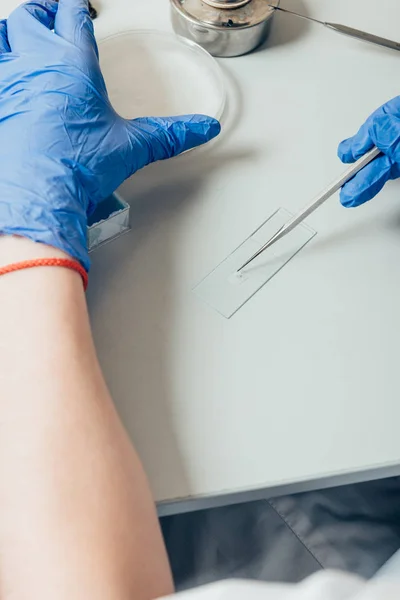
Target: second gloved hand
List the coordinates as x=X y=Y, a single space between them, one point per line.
x=382 y=129
x=63 y=148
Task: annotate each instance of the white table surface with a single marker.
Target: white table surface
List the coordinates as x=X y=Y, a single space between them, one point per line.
x=301 y=388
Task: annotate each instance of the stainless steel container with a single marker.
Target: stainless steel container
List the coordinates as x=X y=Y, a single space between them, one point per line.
x=224 y=27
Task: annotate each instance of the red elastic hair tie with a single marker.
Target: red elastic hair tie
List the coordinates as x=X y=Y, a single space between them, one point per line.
x=67 y=263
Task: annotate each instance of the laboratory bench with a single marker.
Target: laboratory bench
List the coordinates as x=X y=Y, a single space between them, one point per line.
x=300 y=389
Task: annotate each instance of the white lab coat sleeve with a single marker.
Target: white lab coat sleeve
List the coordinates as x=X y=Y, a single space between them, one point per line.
x=322 y=586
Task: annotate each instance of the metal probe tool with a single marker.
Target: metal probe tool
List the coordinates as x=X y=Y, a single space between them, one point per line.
x=316 y=203
x=350 y=31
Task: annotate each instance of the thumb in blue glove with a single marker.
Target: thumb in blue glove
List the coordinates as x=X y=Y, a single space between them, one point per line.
x=382 y=129
x=63 y=148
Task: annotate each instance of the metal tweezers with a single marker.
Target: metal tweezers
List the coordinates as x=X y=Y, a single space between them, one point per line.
x=344 y=29
x=316 y=203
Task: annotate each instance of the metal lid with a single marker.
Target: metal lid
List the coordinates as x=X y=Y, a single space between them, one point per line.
x=246 y=15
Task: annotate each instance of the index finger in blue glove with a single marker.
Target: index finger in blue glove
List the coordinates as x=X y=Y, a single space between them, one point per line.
x=354 y=147
x=4 y=46
x=30 y=24
x=382 y=129
x=163 y=138
x=368 y=182
x=73 y=24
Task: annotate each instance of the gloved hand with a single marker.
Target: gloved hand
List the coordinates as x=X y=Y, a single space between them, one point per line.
x=63 y=148
x=382 y=129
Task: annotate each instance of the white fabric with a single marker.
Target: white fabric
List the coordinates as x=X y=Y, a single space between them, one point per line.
x=322 y=586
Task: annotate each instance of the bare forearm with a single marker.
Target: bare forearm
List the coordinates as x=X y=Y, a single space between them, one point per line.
x=76 y=515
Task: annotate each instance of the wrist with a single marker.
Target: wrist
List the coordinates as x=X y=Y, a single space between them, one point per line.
x=38 y=263
x=56 y=218
x=15 y=249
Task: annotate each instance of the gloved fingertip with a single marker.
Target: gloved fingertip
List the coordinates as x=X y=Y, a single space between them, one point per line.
x=358 y=191
x=198 y=119
x=203 y=126
x=191 y=131
x=39 y=7
x=214 y=127
x=169 y=136
x=73 y=24
x=350 y=200
x=29 y=22
x=345 y=152
x=77 y=10
x=356 y=146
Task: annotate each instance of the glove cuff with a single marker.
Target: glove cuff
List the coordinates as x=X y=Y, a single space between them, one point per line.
x=62 y=224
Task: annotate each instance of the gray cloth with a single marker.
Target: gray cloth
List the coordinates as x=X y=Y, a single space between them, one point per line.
x=354 y=528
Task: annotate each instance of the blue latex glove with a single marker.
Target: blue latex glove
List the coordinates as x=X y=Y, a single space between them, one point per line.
x=63 y=148
x=382 y=129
